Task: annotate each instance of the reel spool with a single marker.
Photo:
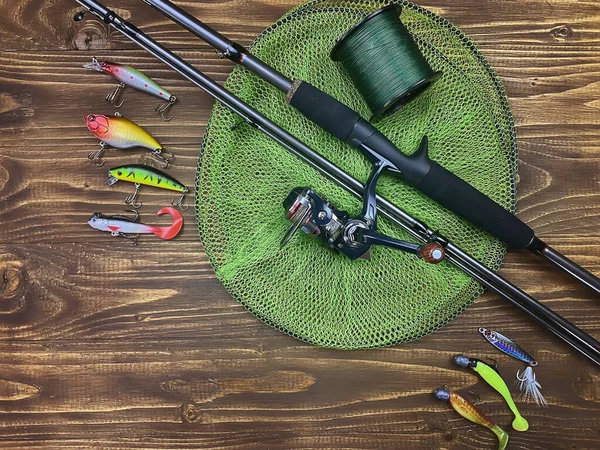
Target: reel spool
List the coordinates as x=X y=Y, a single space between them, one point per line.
x=384 y=62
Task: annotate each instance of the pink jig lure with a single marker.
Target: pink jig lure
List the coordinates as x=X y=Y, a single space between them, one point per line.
x=128 y=76
x=131 y=228
x=118 y=132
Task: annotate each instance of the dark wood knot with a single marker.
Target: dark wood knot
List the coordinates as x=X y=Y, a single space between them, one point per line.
x=190 y=412
x=91 y=33
x=4 y=177
x=562 y=33
x=12 y=287
x=11 y=281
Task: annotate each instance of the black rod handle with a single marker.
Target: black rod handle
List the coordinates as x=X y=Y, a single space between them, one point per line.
x=417 y=170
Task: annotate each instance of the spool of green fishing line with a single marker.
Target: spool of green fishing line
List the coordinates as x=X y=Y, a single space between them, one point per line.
x=384 y=62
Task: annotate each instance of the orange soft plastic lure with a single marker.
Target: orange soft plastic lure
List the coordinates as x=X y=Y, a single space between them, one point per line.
x=118 y=132
x=470 y=412
x=128 y=76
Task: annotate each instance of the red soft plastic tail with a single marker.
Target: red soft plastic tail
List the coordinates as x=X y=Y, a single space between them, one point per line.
x=171 y=231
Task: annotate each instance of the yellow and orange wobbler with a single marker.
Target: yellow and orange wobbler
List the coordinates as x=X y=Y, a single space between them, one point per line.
x=119 y=132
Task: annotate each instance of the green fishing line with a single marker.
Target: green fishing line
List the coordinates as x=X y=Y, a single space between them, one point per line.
x=384 y=62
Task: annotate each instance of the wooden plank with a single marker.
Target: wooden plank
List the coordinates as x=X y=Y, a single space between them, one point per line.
x=107 y=346
x=168 y=289
x=132 y=394
x=37 y=26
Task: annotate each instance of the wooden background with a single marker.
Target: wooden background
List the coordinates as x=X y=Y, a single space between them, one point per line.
x=107 y=346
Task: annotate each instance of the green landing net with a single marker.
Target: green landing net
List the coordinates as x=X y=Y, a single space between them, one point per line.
x=305 y=289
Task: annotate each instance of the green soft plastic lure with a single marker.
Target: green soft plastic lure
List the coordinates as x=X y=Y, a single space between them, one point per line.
x=493 y=378
x=140 y=174
x=470 y=412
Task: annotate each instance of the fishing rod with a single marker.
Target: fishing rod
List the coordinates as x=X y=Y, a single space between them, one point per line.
x=562 y=328
x=417 y=170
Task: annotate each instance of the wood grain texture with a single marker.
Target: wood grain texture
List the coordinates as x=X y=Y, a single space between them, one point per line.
x=107 y=346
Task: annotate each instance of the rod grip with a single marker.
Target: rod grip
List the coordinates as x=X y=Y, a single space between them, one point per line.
x=460 y=197
x=323 y=109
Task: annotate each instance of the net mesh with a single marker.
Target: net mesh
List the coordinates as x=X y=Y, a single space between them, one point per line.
x=305 y=289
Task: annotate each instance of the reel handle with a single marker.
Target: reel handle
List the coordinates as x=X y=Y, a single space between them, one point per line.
x=432 y=253
x=417 y=170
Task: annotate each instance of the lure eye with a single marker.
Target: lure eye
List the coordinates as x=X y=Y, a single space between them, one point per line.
x=120 y=173
x=488 y=333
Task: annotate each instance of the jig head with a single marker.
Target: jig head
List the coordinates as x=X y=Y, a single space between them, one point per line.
x=128 y=76
x=118 y=132
x=470 y=412
x=492 y=377
x=146 y=175
x=353 y=237
x=131 y=228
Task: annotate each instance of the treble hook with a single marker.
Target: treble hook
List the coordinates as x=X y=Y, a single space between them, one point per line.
x=95 y=156
x=137 y=215
x=133 y=237
x=114 y=96
x=179 y=203
x=163 y=108
x=131 y=199
x=164 y=155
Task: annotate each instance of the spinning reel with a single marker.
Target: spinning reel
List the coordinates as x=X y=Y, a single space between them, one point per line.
x=353 y=237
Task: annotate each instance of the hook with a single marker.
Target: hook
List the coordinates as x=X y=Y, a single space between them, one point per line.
x=137 y=214
x=179 y=202
x=164 y=155
x=163 y=108
x=131 y=199
x=114 y=96
x=96 y=156
x=133 y=237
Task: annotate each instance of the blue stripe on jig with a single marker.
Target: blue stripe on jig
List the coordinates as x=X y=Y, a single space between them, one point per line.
x=507 y=346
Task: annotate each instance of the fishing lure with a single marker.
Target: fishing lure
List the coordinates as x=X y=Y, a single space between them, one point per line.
x=493 y=378
x=470 y=412
x=529 y=387
x=118 y=132
x=128 y=76
x=149 y=176
x=131 y=228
